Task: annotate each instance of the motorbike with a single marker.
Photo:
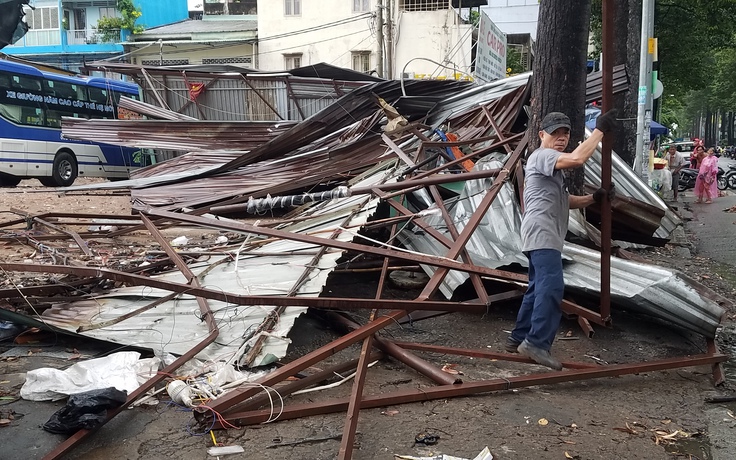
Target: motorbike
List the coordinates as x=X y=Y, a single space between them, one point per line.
x=731 y=176
x=688 y=176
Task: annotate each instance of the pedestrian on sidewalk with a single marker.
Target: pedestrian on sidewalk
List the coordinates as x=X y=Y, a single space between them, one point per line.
x=543 y=229
x=675 y=162
x=706 y=188
x=697 y=156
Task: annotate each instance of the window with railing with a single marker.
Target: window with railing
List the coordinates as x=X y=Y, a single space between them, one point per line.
x=231 y=7
x=361 y=6
x=158 y=62
x=424 y=5
x=362 y=61
x=292 y=7
x=292 y=61
x=44 y=27
x=233 y=60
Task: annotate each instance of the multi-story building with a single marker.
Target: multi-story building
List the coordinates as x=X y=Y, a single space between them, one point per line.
x=222 y=32
x=64 y=32
x=420 y=38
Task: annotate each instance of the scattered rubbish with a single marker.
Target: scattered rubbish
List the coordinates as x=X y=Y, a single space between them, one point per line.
x=9 y=330
x=665 y=437
x=720 y=399
x=278 y=442
x=427 y=439
x=7 y=417
x=180 y=241
x=225 y=450
x=180 y=393
x=222 y=239
x=485 y=454
x=390 y=412
x=119 y=370
x=85 y=410
x=543 y=422
x=451 y=369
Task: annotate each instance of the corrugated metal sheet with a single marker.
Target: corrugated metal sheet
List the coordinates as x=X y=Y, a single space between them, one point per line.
x=174 y=326
x=649 y=289
x=180 y=135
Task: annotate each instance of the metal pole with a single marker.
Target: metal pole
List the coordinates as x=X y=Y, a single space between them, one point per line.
x=644 y=117
x=606 y=148
x=389 y=40
x=379 y=32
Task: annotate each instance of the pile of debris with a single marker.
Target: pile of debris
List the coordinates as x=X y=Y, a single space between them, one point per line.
x=394 y=174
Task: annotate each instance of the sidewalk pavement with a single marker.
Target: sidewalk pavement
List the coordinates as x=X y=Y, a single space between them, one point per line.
x=713 y=228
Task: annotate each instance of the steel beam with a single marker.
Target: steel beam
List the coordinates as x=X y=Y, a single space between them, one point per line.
x=470 y=388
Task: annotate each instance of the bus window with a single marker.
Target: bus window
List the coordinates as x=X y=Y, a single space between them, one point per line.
x=4 y=80
x=65 y=90
x=98 y=95
x=53 y=117
x=26 y=83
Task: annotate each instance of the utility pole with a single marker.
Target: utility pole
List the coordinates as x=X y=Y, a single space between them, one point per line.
x=644 y=101
x=389 y=40
x=379 y=32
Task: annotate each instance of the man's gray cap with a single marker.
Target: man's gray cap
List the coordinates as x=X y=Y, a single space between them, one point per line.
x=555 y=120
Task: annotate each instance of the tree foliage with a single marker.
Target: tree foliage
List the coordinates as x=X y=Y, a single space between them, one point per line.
x=109 y=27
x=696 y=59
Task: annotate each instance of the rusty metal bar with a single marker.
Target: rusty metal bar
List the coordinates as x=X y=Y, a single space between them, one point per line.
x=294 y=386
x=272 y=319
x=69 y=444
x=474 y=220
x=75 y=236
x=470 y=388
x=426 y=181
x=340 y=303
x=121 y=318
x=153 y=90
x=586 y=327
x=260 y=96
x=356 y=395
x=572 y=308
x=465 y=256
x=477 y=353
x=606 y=149
x=230 y=400
x=719 y=377
x=447 y=263
x=480 y=289
x=415 y=362
x=290 y=90
x=467 y=157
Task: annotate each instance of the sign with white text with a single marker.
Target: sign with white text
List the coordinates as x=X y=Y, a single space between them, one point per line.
x=490 y=57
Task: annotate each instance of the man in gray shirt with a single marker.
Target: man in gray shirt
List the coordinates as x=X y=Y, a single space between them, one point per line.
x=543 y=229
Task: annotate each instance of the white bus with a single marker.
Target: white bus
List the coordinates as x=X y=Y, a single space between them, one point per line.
x=32 y=103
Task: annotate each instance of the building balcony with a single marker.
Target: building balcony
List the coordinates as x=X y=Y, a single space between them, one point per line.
x=42 y=37
x=92 y=37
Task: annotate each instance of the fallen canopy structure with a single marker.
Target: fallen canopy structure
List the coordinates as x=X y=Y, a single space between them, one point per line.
x=454 y=206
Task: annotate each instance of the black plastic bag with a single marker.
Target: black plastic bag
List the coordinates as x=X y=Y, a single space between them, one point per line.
x=85 y=410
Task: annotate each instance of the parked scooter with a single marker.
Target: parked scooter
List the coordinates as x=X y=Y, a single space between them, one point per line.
x=731 y=176
x=688 y=176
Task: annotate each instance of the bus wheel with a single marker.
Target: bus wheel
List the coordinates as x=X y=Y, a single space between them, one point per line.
x=65 y=169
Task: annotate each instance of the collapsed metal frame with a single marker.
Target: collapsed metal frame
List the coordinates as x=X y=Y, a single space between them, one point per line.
x=241 y=405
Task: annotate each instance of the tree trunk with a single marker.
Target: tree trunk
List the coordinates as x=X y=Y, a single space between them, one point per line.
x=627 y=39
x=560 y=74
